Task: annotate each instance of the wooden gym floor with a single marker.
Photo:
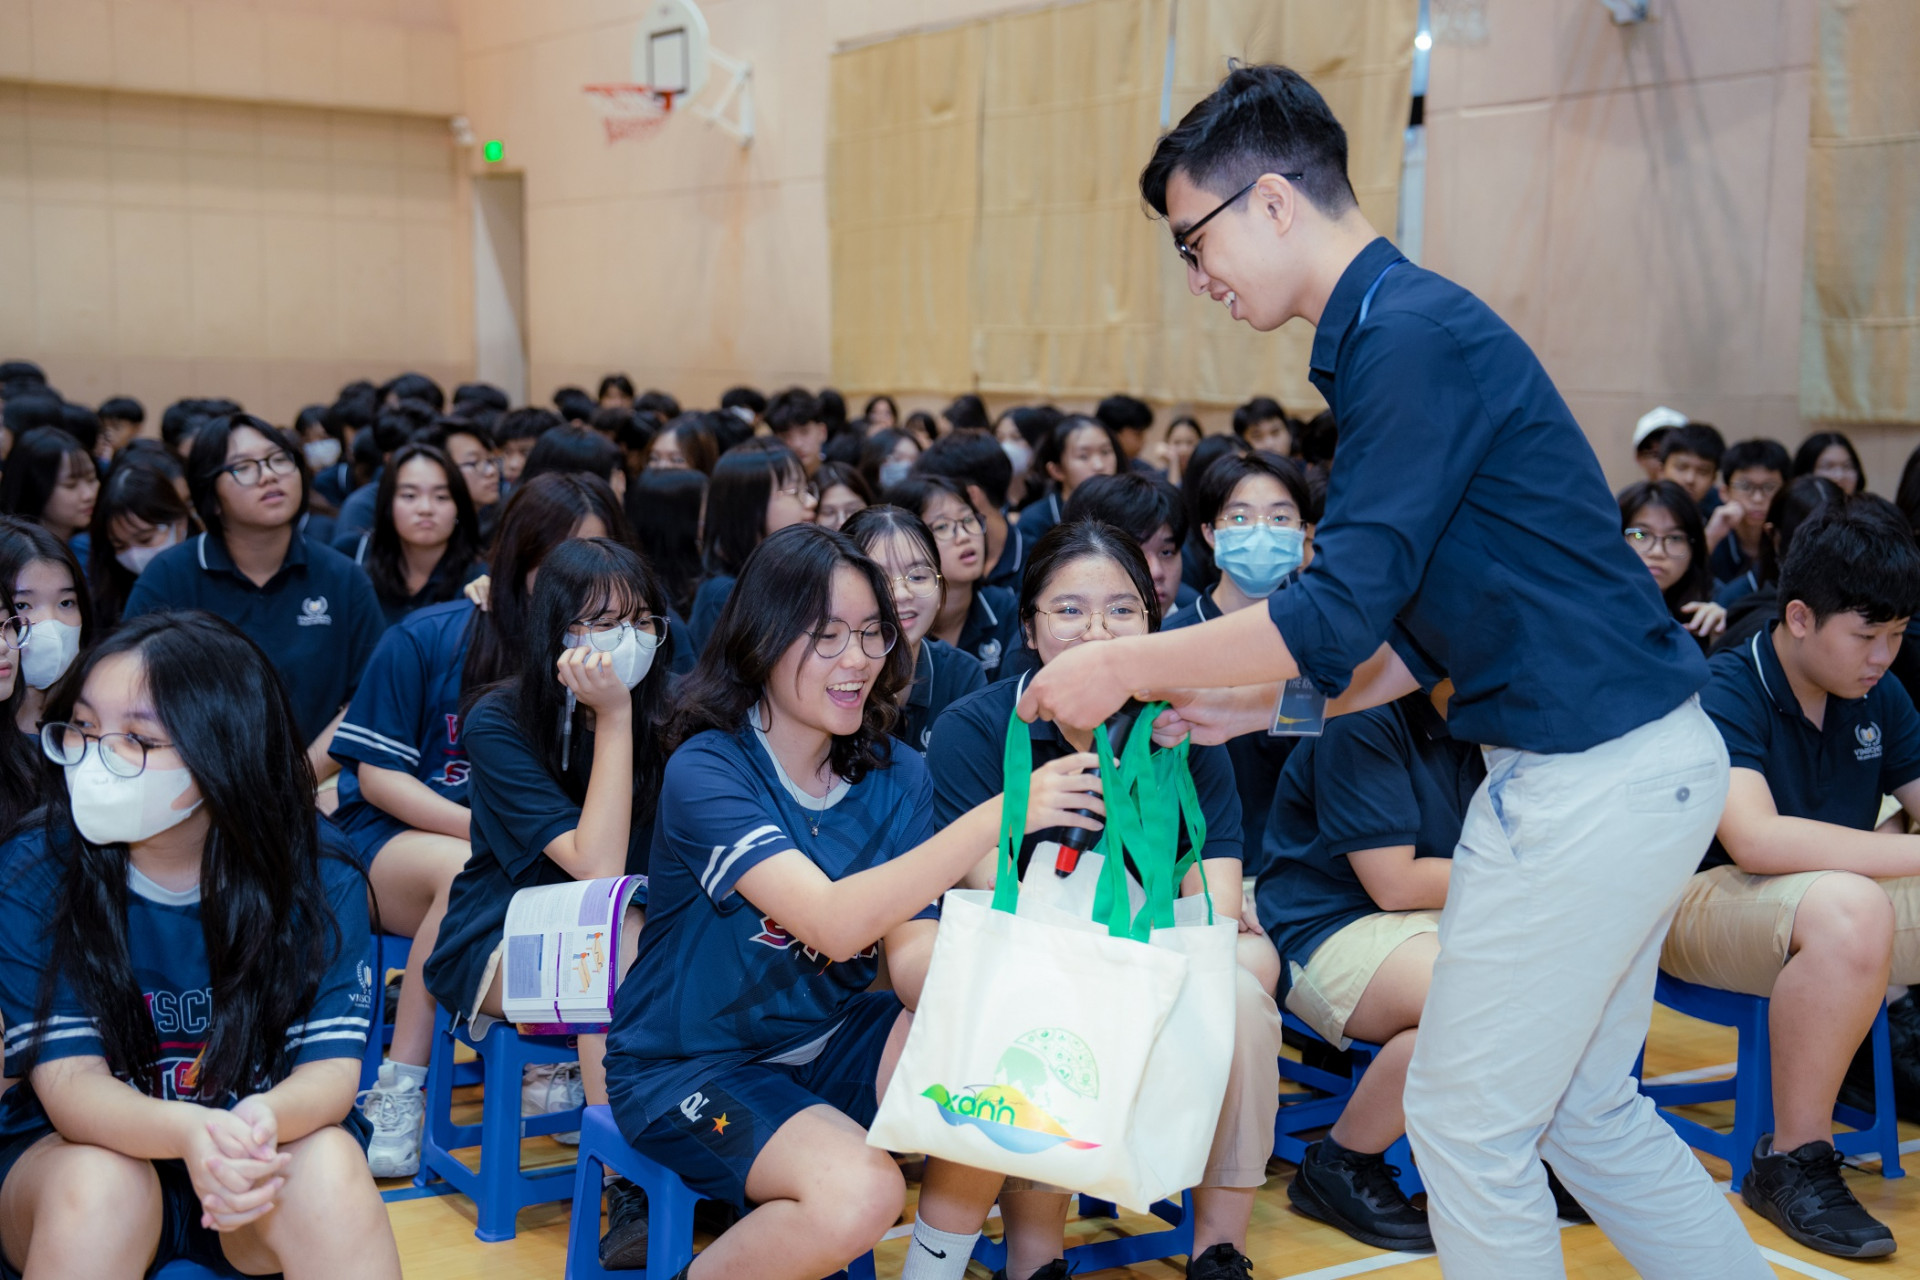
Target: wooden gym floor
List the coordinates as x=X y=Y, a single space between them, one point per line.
x=437 y=1243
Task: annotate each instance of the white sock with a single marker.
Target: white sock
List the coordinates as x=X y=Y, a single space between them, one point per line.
x=937 y=1255
x=405 y=1071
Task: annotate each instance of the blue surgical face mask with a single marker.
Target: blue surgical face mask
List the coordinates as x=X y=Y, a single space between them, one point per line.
x=1258 y=557
x=893 y=472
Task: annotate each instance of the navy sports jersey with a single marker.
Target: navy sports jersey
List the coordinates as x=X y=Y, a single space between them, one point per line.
x=317 y=619
x=1376 y=779
x=942 y=675
x=405 y=716
x=1865 y=748
x=1257 y=757
x=991 y=631
x=718 y=982
x=518 y=810
x=169 y=957
x=967 y=753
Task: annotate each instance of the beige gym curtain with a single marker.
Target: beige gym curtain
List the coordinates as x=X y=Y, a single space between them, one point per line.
x=1860 y=319
x=1073 y=290
x=903 y=206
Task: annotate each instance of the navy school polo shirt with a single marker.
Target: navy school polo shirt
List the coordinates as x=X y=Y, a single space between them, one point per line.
x=1468 y=522
x=1012 y=563
x=357 y=509
x=991 y=631
x=941 y=676
x=717 y=980
x=1864 y=749
x=405 y=716
x=317 y=619
x=1039 y=516
x=705 y=614
x=1387 y=776
x=967 y=749
x=1730 y=561
x=518 y=810
x=1257 y=757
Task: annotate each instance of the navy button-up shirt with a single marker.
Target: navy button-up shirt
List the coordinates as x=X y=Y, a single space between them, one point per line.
x=317 y=619
x=1468 y=523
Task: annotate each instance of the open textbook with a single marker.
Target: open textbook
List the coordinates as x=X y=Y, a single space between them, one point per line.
x=563 y=951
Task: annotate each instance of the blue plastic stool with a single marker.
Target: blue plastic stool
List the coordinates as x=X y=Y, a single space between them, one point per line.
x=1751 y=1088
x=1298 y=1117
x=1175 y=1242
x=669 y=1207
x=499 y=1188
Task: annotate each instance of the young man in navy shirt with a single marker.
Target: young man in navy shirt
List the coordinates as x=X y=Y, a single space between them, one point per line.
x=1468 y=534
x=1752 y=473
x=309 y=608
x=1800 y=899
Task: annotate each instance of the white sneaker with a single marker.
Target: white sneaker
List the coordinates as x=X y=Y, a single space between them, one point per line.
x=549 y=1087
x=397 y=1110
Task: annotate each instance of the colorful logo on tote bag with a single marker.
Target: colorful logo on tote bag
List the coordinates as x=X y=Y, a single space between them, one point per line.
x=1034 y=1081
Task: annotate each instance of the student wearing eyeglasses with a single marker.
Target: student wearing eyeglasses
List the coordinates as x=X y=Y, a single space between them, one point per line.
x=973 y=617
x=1752 y=473
x=1660 y=521
x=1086 y=586
x=1468 y=535
x=904 y=548
x=309 y=608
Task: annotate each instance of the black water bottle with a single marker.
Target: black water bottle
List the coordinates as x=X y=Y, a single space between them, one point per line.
x=1078 y=839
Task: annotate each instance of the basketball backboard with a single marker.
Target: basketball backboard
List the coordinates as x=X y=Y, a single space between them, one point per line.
x=670 y=49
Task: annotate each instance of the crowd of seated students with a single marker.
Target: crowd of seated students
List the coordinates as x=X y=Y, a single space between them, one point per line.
x=272 y=688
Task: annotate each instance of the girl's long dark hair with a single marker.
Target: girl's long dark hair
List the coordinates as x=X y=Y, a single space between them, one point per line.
x=24 y=774
x=785 y=592
x=386 y=558
x=135 y=487
x=541 y=514
x=1697 y=582
x=34 y=468
x=269 y=931
x=743 y=484
x=24 y=542
x=581 y=578
x=664 y=509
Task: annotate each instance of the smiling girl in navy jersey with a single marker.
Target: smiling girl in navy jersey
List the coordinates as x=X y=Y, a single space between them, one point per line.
x=183 y=923
x=794 y=839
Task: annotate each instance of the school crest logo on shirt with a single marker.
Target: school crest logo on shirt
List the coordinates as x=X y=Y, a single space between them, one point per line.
x=313 y=612
x=363 y=993
x=1868 y=736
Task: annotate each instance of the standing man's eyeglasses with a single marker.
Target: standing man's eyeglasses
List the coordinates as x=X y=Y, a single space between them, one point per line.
x=1187 y=253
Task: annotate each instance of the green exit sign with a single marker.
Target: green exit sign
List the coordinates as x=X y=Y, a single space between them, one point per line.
x=494 y=151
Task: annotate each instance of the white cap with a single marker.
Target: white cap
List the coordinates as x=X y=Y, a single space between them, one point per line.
x=1657 y=420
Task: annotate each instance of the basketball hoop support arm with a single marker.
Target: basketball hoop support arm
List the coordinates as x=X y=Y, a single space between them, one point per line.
x=734 y=110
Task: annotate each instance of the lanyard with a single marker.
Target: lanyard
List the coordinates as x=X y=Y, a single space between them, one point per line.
x=1366 y=303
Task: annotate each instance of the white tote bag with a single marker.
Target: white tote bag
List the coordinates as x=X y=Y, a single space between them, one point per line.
x=1038 y=1025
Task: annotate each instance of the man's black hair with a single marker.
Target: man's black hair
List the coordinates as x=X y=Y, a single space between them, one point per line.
x=728 y=429
x=833 y=409
x=1137 y=503
x=971 y=457
x=1770 y=454
x=1700 y=439
x=967 y=412
x=183 y=418
x=575 y=405
x=1316 y=438
x=415 y=386
x=1259 y=409
x=1261 y=119
x=1856 y=556
x=794 y=407
x=744 y=398
x=526 y=424
x=123 y=409
x=471 y=396
x=615 y=382
x=1125 y=413
x=659 y=402
x=17 y=376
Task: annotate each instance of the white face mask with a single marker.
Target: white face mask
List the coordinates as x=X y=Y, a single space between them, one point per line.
x=1019 y=453
x=136 y=559
x=51 y=647
x=632 y=654
x=110 y=809
x=893 y=472
x=321 y=454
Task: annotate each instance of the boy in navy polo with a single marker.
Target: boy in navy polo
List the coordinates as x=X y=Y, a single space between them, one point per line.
x=1800 y=899
x=309 y=608
x=1752 y=473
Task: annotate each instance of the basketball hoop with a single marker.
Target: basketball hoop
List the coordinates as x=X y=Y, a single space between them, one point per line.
x=630 y=110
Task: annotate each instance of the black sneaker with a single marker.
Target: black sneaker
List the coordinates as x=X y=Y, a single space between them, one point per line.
x=1356 y=1192
x=624 y=1247
x=1903 y=1026
x=1221 y=1262
x=1564 y=1205
x=1055 y=1270
x=1802 y=1193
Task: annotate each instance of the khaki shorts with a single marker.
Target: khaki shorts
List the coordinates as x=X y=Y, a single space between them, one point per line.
x=1734 y=930
x=1325 y=992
